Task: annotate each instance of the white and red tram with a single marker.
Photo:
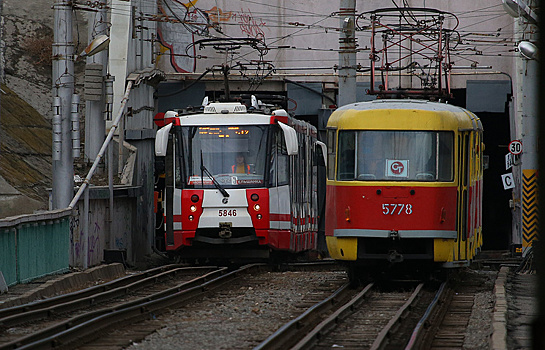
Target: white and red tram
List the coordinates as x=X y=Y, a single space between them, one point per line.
x=209 y=206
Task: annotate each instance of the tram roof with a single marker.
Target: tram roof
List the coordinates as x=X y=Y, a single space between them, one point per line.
x=403 y=104
x=225 y=119
x=381 y=114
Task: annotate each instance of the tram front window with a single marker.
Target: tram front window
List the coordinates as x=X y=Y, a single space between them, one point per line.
x=234 y=155
x=395 y=156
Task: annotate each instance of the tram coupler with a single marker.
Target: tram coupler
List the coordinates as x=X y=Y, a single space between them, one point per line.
x=395 y=257
x=225 y=230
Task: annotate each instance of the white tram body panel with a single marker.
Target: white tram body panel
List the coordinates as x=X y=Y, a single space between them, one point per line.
x=210 y=205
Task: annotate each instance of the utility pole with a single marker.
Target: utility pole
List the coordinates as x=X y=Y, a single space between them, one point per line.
x=63 y=88
x=347 y=53
x=526 y=117
x=95 y=71
x=529 y=137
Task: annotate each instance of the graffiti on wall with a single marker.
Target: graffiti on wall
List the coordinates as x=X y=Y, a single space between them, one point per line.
x=78 y=246
x=182 y=25
x=250 y=25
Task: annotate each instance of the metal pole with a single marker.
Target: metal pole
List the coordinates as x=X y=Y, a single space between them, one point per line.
x=529 y=118
x=111 y=192
x=95 y=125
x=104 y=145
x=63 y=87
x=85 y=239
x=347 y=53
x=120 y=153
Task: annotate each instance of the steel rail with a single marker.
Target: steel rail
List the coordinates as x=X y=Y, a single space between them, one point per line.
x=87 y=326
x=286 y=333
x=329 y=323
x=121 y=281
x=417 y=333
x=90 y=296
x=382 y=339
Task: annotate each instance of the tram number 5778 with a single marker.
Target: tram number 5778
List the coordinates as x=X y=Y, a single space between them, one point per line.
x=397 y=209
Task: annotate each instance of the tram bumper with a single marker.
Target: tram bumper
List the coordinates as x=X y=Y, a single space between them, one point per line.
x=391 y=245
x=342 y=248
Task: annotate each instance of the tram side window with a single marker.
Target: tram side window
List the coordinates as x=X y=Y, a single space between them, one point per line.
x=279 y=166
x=446 y=152
x=178 y=165
x=347 y=155
x=331 y=141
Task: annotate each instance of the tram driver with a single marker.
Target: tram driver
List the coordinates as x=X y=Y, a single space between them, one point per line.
x=240 y=166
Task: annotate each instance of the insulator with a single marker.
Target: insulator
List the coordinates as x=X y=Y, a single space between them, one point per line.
x=57 y=129
x=74 y=118
x=109 y=89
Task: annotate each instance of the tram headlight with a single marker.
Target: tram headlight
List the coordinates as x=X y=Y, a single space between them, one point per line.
x=254 y=197
x=190 y=217
x=193 y=208
x=259 y=216
x=257 y=207
x=194 y=198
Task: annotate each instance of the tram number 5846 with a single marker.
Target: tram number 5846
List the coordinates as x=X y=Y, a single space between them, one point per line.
x=397 y=209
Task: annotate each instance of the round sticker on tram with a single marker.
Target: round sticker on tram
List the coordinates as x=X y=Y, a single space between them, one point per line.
x=397 y=167
x=515 y=147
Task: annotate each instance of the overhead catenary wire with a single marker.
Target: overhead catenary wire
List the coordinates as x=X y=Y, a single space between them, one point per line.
x=301 y=22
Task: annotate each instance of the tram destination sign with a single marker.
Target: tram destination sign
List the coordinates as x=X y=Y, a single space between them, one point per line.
x=515 y=147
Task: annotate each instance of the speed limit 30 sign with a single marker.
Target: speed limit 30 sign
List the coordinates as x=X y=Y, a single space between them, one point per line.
x=515 y=147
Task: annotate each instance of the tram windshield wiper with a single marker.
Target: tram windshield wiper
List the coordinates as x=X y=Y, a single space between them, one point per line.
x=214 y=181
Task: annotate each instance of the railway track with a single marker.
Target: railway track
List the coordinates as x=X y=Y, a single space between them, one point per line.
x=427 y=316
x=141 y=300
x=366 y=321
x=325 y=313
x=444 y=325
x=66 y=319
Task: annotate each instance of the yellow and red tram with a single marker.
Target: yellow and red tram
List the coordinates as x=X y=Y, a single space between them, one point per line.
x=404 y=185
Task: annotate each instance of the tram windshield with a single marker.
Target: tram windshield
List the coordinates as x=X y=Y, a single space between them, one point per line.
x=235 y=156
x=395 y=156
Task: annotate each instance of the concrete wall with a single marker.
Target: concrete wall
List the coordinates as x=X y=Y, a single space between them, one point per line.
x=119 y=234
x=306 y=34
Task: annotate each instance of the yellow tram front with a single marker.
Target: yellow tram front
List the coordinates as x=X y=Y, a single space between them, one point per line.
x=404 y=184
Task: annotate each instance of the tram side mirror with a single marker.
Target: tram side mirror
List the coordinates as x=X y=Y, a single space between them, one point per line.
x=486 y=161
x=290 y=135
x=161 y=140
x=321 y=153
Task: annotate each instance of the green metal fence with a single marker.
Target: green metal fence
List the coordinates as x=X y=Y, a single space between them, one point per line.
x=34 y=245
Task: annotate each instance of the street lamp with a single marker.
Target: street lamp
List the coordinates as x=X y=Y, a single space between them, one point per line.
x=528 y=50
x=98 y=44
x=518 y=8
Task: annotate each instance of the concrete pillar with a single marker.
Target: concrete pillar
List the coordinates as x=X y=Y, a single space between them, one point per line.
x=63 y=87
x=347 y=53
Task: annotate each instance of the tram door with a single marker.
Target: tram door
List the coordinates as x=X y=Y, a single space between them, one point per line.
x=169 y=191
x=463 y=194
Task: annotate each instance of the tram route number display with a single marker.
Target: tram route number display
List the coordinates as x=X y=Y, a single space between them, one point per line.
x=397 y=209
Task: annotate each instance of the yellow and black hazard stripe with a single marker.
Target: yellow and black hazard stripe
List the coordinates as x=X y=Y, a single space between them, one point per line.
x=530 y=222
